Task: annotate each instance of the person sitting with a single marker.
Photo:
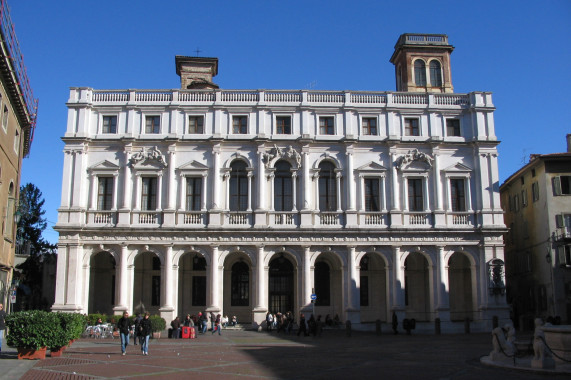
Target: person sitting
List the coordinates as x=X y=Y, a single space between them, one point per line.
x=234 y=321
x=175 y=324
x=225 y=321
x=328 y=320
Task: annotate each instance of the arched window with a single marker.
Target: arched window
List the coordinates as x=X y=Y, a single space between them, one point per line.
x=283 y=189
x=238 y=186
x=327 y=187
x=240 y=284
x=435 y=74
x=420 y=72
x=322 y=284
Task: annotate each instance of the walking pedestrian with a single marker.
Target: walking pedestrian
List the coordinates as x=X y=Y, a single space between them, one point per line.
x=124 y=327
x=217 y=325
x=2 y=324
x=145 y=333
x=302 y=326
x=269 y=321
x=136 y=336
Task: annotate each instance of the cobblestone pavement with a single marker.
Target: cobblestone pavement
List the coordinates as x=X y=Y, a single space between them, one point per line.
x=262 y=355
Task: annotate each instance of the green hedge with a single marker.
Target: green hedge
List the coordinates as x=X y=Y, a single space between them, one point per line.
x=37 y=328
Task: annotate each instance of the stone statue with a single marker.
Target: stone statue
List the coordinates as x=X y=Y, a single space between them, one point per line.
x=503 y=342
x=541 y=354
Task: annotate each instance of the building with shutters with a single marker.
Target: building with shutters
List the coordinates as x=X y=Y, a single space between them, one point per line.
x=244 y=201
x=537 y=204
x=18 y=110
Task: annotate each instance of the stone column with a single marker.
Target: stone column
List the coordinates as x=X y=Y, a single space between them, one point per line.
x=259 y=311
x=215 y=286
x=395 y=182
x=67 y=180
x=398 y=290
x=160 y=191
x=261 y=179
x=338 y=176
x=443 y=309
x=307 y=283
x=171 y=201
x=350 y=183
x=250 y=195
x=306 y=183
x=121 y=281
x=61 y=283
x=127 y=181
x=437 y=183
x=167 y=308
x=94 y=191
x=353 y=306
x=216 y=188
x=294 y=189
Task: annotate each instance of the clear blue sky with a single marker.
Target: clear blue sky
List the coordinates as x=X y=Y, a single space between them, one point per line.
x=518 y=50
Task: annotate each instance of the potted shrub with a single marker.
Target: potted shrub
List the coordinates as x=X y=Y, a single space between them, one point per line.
x=31 y=332
x=61 y=333
x=158 y=324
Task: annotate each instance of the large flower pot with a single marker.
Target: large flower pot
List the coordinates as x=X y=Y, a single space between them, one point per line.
x=156 y=335
x=56 y=352
x=31 y=354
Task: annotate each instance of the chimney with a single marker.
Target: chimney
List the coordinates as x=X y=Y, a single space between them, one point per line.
x=569 y=143
x=196 y=72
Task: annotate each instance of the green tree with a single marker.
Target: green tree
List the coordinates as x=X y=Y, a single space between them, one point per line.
x=31 y=225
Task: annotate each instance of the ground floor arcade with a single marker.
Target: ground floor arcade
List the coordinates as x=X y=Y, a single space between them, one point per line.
x=362 y=283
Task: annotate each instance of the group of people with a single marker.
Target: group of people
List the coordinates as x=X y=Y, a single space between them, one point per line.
x=202 y=323
x=141 y=333
x=285 y=322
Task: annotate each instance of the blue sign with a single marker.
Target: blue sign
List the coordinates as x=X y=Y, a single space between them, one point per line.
x=314 y=296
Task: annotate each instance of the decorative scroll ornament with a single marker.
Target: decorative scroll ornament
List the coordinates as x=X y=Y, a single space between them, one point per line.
x=413 y=155
x=152 y=154
x=290 y=153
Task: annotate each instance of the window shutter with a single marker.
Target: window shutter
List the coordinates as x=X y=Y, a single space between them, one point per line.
x=559 y=221
x=557 y=185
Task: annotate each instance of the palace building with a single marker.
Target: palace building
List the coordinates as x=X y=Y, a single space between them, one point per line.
x=244 y=201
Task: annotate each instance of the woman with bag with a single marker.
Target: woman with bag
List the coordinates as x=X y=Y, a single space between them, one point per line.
x=144 y=332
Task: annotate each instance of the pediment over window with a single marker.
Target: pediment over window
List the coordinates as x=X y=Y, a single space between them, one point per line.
x=192 y=168
x=371 y=167
x=193 y=165
x=104 y=166
x=458 y=168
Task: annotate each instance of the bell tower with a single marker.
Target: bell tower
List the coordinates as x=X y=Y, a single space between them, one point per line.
x=422 y=63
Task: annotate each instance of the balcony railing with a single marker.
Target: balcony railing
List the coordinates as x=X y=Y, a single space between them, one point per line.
x=196 y=218
x=239 y=218
x=279 y=219
x=102 y=217
x=460 y=219
x=330 y=218
x=373 y=219
x=283 y=218
x=278 y=96
x=419 y=218
x=147 y=217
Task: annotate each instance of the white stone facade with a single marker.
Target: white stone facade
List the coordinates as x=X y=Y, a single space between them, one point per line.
x=240 y=202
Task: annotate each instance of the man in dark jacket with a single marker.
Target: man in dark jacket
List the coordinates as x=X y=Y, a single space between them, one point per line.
x=145 y=329
x=124 y=327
